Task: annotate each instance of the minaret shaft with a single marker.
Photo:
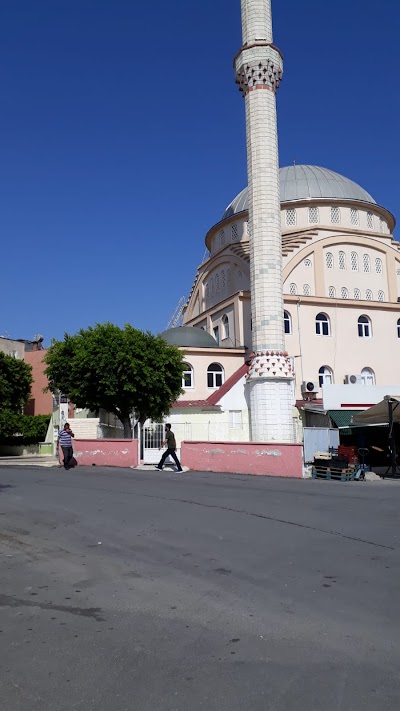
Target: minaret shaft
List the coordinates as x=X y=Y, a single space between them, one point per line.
x=258 y=73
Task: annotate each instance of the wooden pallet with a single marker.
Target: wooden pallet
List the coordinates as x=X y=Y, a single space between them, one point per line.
x=332 y=473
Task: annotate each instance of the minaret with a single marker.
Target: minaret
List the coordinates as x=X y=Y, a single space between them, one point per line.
x=258 y=69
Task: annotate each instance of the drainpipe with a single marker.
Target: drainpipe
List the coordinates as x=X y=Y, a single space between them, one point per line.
x=299 y=332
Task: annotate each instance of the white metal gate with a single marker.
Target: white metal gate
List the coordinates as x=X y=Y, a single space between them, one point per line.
x=153 y=437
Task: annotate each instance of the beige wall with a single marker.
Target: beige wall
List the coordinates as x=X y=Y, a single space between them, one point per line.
x=13 y=348
x=231 y=359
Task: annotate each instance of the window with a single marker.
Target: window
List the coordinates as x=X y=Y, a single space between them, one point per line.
x=354 y=262
x=207 y=290
x=366 y=263
x=382 y=224
x=291 y=217
x=332 y=292
x=13 y=354
x=325 y=376
x=353 y=216
x=381 y=296
x=306 y=290
x=329 y=260
x=369 y=295
x=225 y=326
x=223 y=279
x=344 y=293
x=229 y=276
x=313 y=215
x=308 y=263
x=335 y=215
x=292 y=289
x=398 y=328
x=322 y=325
x=367 y=376
x=234 y=232
x=370 y=220
x=212 y=285
x=378 y=265
x=222 y=238
x=187 y=376
x=215 y=375
x=364 y=327
x=235 y=420
x=216 y=333
x=217 y=282
x=287 y=321
x=357 y=294
x=342 y=260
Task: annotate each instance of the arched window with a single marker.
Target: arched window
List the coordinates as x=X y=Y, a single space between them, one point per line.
x=313 y=215
x=322 y=325
x=223 y=280
x=378 y=265
x=354 y=262
x=353 y=216
x=225 y=327
x=307 y=263
x=207 y=290
x=332 y=292
x=229 y=275
x=215 y=375
x=217 y=283
x=370 y=220
x=222 y=238
x=325 y=376
x=292 y=289
x=367 y=376
x=329 y=260
x=369 y=295
x=364 y=327
x=357 y=294
x=398 y=328
x=381 y=296
x=306 y=290
x=287 y=320
x=234 y=232
x=335 y=215
x=291 y=217
x=342 y=260
x=187 y=376
x=382 y=224
x=344 y=293
x=212 y=285
x=216 y=333
x=366 y=263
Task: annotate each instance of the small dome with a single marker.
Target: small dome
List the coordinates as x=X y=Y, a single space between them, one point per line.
x=304 y=182
x=189 y=336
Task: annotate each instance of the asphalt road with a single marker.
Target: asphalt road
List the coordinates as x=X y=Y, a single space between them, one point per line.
x=136 y=591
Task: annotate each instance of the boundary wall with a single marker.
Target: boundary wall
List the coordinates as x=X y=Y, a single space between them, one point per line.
x=107 y=452
x=271 y=459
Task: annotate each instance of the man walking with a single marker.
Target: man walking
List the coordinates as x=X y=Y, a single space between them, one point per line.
x=171 y=447
x=64 y=438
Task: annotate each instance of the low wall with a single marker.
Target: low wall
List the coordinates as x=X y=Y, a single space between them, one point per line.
x=244 y=458
x=107 y=452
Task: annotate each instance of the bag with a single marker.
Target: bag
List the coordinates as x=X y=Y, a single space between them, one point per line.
x=73 y=462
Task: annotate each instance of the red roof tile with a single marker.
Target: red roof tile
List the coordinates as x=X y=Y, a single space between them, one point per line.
x=201 y=404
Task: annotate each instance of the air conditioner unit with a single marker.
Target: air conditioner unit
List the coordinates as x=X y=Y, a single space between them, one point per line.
x=308 y=386
x=353 y=380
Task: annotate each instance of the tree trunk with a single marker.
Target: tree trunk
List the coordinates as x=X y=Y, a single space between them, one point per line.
x=126 y=421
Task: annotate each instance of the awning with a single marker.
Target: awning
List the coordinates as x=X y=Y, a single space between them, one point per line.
x=343 y=418
x=379 y=414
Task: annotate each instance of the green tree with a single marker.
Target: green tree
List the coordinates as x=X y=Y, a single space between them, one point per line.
x=118 y=370
x=15 y=383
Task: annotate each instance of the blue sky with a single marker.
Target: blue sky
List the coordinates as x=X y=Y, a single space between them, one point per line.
x=123 y=141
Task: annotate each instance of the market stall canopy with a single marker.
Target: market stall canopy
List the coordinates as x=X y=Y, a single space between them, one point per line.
x=379 y=414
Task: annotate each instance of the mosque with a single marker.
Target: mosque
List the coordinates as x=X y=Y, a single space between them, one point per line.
x=341 y=293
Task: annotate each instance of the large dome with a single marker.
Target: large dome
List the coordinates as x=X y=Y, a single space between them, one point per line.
x=304 y=182
x=189 y=336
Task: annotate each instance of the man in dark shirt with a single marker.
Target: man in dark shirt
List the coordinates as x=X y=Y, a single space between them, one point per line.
x=170 y=451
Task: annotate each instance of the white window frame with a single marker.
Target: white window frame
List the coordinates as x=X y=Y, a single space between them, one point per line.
x=344 y=292
x=292 y=289
x=332 y=292
x=354 y=217
x=235 y=420
x=335 y=215
x=291 y=217
x=313 y=211
x=329 y=258
x=398 y=328
x=306 y=290
x=217 y=376
x=354 y=261
x=287 y=320
x=364 y=328
x=342 y=260
x=322 y=324
x=367 y=376
x=325 y=376
x=187 y=371
x=225 y=327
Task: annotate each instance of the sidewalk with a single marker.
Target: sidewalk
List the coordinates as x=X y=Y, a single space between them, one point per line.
x=34 y=460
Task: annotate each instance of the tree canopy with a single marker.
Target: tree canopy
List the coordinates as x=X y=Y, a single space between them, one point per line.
x=15 y=383
x=118 y=370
